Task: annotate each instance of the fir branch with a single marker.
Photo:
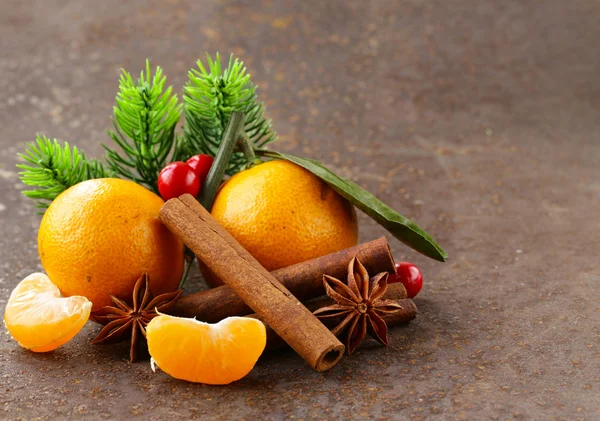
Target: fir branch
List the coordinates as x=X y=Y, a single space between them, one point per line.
x=145 y=116
x=209 y=98
x=52 y=168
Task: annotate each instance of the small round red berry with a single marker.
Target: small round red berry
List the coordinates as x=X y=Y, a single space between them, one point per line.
x=176 y=179
x=201 y=165
x=410 y=276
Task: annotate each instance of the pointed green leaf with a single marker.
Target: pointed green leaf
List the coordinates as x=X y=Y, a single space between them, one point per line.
x=400 y=227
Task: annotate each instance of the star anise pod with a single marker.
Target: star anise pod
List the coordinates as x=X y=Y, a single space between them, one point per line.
x=360 y=304
x=124 y=321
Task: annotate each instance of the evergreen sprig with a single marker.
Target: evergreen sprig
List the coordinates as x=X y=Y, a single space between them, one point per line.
x=209 y=97
x=52 y=168
x=145 y=116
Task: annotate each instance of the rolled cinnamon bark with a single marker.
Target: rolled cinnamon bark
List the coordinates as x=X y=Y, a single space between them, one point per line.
x=275 y=305
x=304 y=280
x=395 y=292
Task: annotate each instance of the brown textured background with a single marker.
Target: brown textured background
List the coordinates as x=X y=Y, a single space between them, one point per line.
x=477 y=118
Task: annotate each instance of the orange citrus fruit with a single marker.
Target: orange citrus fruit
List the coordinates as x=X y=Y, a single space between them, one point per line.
x=191 y=350
x=283 y=214
x=99 y=236
x=39 y=318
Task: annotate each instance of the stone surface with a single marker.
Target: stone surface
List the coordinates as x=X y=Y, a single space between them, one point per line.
x=479 y=119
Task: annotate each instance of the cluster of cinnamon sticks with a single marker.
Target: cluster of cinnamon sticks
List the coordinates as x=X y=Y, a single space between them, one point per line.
x=275 y=298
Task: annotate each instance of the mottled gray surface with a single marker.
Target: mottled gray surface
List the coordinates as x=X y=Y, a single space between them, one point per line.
x=477 y=118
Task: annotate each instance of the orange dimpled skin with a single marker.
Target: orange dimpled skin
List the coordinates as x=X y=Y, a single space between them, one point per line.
x=99 y=236
x=199 y=352
x=283 y=214
x=39 y=318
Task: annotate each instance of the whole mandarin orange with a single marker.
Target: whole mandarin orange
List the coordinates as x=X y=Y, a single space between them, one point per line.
x=283 y=215
x=99 y=236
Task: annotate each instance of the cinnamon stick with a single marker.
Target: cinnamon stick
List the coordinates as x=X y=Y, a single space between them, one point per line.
x=264 y=294
x=304 y=280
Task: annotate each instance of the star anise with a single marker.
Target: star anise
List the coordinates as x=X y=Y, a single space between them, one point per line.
x=124 y=321
x=360 y=304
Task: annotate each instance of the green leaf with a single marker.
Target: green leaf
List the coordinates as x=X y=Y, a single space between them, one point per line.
x=400 y=227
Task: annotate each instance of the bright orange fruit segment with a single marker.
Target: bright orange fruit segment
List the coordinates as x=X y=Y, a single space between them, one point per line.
x=40 y=318
x=199 y=352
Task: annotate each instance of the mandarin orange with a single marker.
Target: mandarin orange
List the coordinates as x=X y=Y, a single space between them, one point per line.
x=283 y=214
x=39 y=318
x=99 y=236
x=191 y=350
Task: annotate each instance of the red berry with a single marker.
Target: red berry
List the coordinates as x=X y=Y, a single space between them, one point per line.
x=410 y=276
x=176 y=179
x=201 y=165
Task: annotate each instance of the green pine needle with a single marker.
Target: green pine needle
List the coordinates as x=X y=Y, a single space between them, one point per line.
x=145 y=116
x=52 y=168
x=209 y=98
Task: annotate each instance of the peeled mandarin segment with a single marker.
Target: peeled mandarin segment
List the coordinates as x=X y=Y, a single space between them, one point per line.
x=199 y=352
x=39 y=318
